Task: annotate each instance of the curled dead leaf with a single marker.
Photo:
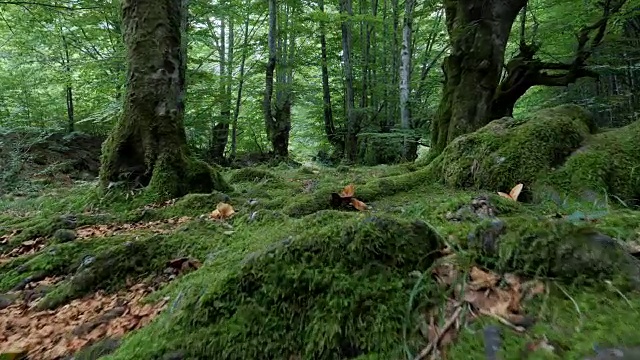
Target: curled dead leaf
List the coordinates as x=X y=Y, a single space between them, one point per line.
x=514 y=193
x=359 y=204
x=348 y=191
x=222 y=211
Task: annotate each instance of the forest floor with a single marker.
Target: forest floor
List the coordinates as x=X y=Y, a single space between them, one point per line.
x=287 y=270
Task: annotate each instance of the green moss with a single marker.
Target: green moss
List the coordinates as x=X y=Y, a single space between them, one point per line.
x=508 y=151
x=249 y=174
x=608 y=163
x=331 y=291
x=602 y=318
x=173 y=178
x=556 y=248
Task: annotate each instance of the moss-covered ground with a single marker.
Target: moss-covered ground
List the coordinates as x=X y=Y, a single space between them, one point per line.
x=288 y=277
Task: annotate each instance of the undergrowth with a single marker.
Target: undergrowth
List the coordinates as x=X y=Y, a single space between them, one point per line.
x=290 y=277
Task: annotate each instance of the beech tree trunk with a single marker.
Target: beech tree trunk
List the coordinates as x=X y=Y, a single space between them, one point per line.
x=353 y=126
x=329 y=126
x=478 y=32
x=148 y=145
x=278 y=120
x=236 y=112
x=220 y=129
x=410 y=143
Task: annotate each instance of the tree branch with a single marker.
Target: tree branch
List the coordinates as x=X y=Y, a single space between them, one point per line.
x=525 y=71
x=62 y=7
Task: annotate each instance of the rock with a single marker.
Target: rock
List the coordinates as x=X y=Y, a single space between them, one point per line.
x=7 y=300
x=64 y=235
x=555 y=248
x=486 y=236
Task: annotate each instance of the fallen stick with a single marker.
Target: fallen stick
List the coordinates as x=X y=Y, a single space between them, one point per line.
x=432 y=345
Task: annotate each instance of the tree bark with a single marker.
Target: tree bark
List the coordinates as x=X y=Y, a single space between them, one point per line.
x=478 y=32
x=220 y=129
x=71 y=123
x=329 y=126
x=148 y=145
x=270 y=121
x=236 y=112
x=410 y=143
x=284 y=81
x=353 y=126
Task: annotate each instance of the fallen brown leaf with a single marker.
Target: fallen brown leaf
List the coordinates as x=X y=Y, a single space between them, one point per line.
x=359 y=204
x=222 y=211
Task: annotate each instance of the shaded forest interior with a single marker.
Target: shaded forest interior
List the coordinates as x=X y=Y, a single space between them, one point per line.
x=344 y=179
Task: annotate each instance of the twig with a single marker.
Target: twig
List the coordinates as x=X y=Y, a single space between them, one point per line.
x=502 y=320
x=432 y=345
x=575 y=304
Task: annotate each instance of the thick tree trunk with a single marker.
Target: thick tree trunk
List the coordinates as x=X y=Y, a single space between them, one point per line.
x=478 y=32
x=281 y=126
x=351 y=138
x=148 y=144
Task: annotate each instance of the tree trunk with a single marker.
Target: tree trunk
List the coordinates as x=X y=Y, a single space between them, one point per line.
x=148 y=145
x=329 y=126
x=284 y=81
x=410 y=144
x=478 y=33
x=269 y=119
x=236 y=112
x=220 y=129
x=351 y=139
x=71 y=124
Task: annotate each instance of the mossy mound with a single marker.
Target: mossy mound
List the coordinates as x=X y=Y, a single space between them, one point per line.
x=556 y=248
x=609 y=162
x=249 y=174
x=510 y=151
x=177 y=178
x=333 y=291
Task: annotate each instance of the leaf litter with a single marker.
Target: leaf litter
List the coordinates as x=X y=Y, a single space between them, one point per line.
x=52 y=334
x=476 y=293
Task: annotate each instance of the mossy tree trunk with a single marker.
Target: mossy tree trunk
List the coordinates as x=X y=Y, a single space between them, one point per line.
x=478 y=33
x=149 y=142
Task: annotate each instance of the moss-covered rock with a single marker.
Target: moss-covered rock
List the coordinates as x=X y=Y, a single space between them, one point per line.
x=333 y=291
x=608 y=163
x=575 y=253
x=384 y=148
x=510 y=151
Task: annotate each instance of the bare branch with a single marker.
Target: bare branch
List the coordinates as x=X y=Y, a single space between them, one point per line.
x=525 y=71
x=62 y=7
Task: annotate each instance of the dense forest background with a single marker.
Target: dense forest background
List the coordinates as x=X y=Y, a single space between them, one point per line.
x=63 y=67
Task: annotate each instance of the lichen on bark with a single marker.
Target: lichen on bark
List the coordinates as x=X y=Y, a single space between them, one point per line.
x=148 y=144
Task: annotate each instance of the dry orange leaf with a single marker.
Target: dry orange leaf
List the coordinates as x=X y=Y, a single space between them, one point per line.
x=222 y=211
x=358 y=204
x=514 y=193
x=348 y=191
